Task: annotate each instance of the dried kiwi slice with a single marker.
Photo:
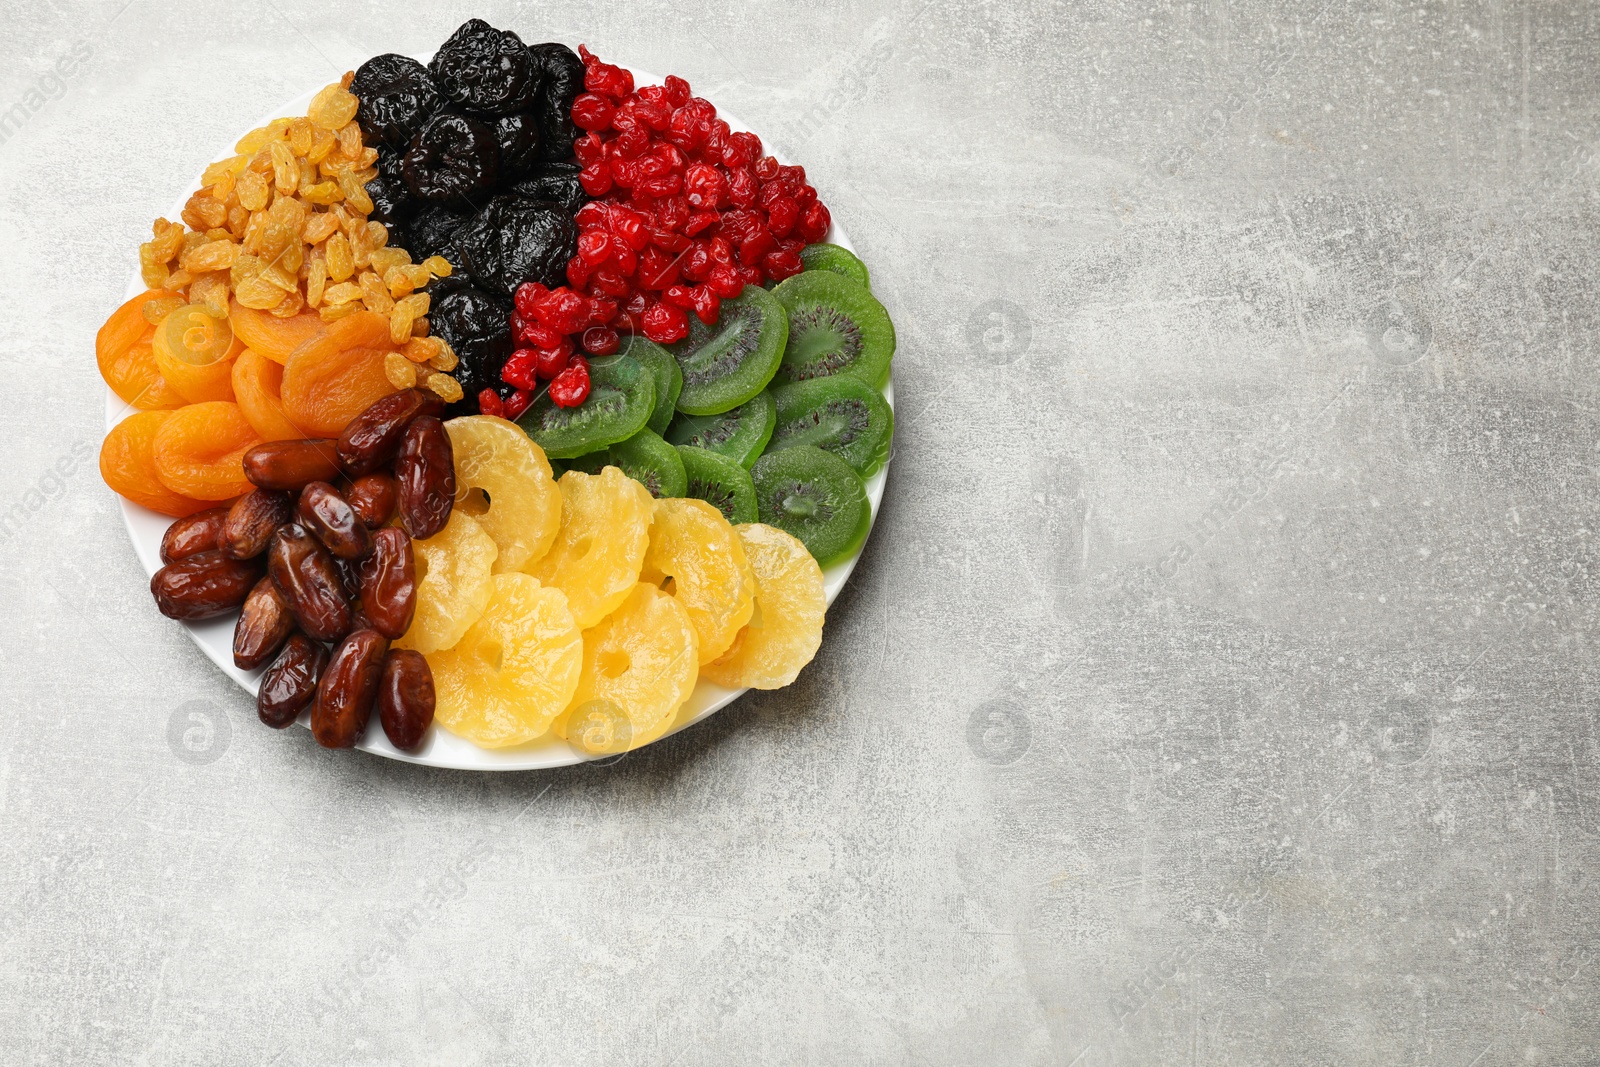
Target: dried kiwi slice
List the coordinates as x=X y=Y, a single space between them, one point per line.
x=838 y=259
x=726 y=364
x=669 y=379
x=740 y=434
x=720 y=482
x=835 y=327
x=645 y=458
x=817 y=497
x=622 y=394
x=842 y=414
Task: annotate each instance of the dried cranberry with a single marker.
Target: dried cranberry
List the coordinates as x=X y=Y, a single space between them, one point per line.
x=571 y=387
x=517 y=403
x=813 y=225
x=521 y=370
x=665 y=324
x=489 y=402
x=678 y=92
x=591 y=112
x=601 y=341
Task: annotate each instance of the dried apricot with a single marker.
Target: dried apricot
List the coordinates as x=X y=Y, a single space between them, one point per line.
x=274 y=337
x=256 y=385
x=127 y=463
x=125 y=326
x=194 y=353
x=321 y=394
x=122 y=350
x=362 y=329
x=199 y=451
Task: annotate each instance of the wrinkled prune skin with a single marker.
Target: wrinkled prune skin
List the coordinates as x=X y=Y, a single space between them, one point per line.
x=392 y=201
x=397 y=97
x=513 y=240
x=561 y=83
x=555 y=182
x=486 y=70
x=477 y=326
x=454 y=159
x=518 y=137
x=432 y=233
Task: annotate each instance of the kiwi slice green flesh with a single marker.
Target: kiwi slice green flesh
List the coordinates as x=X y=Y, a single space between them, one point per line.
x=720 y=482
x=645 y=458
x=622 y=395
x=817 y=497
x=835 y=327
x=740 y=434
x=837 y=259
x=664 y=369
x=726 y=364
x=842 y=414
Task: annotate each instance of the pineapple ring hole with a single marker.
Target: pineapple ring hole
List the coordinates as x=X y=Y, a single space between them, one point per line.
x=670 y=586
x=475 y=503
x=755 y=616
x=584 y=546
x=493 y=655
x=421 y=565
x=613 y=662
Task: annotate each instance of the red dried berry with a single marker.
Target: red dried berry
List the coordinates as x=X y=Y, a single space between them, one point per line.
x=813 y=225
x=521 y=369
x=571 y=387
x=592 y=112
x=665 y=324
x=489 y=403
x=517 y=403
x=678 y=92
x=601 y=341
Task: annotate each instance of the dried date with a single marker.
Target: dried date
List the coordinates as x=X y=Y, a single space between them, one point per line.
x=348 y=687
x=203 y=586
x=426 y=473
x=311 y=583
x=291 y=682
x=405 y=698
x=265 y=622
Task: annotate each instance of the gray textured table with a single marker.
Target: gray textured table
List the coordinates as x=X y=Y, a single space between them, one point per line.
x=1217 y=687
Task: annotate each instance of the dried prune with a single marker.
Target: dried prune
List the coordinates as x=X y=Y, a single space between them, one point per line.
x=555 y=182
x=392 y=201
x=485 y=69
x=432 y=233
x=518 y=137
x=561 y=84
x=397 y=96
x=513 y=240
x=478 y=327
x=454 y=159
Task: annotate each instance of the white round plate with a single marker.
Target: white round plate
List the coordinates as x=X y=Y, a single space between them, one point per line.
x=441 y=748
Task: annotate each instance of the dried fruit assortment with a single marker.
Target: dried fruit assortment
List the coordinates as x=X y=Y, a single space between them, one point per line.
x=498 y=393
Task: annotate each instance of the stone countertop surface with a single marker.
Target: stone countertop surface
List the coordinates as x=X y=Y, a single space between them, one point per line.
x=1216 y=687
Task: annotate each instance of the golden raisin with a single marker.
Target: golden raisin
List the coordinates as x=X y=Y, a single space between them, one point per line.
x=401 y=372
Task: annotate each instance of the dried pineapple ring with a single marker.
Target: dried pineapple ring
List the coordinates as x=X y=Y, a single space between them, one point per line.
x=514 y=670
x=693 y=545
x=452 y=584
x=503 y=480
x=786 y=629
x=595 y=560
x=643 y=658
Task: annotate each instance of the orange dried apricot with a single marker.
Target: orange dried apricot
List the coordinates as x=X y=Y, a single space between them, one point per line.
x=322 y=393
x=127 y=463
x=194 y=353
x=272 y=336
x=256 y=384
x=199 y=451
x=362 y=329
x=133 y=375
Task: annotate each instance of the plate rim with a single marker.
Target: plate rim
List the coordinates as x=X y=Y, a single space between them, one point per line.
x=545 y=753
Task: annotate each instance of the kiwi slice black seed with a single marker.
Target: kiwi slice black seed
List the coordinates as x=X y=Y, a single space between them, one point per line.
x=837 y=259
x=645 y=458
x=835 y=327
x=622 y=394
x=817 y=497
x=842 y=414
x=664 y=369
x=720 y=482
x=740 y=434
x=726 y=364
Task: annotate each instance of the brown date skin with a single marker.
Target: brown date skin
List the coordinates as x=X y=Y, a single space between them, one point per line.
x=253 y=519
x=310 y=582
x=264 y=623
x=328 y=515
x=291 y=682
x=405 y=698
x=426 y=472
x=203 y=586
x=291 y=465
x=345 y=694
x=373 y=437
x=389 y=583
x=200 y=532
x=374 y=497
